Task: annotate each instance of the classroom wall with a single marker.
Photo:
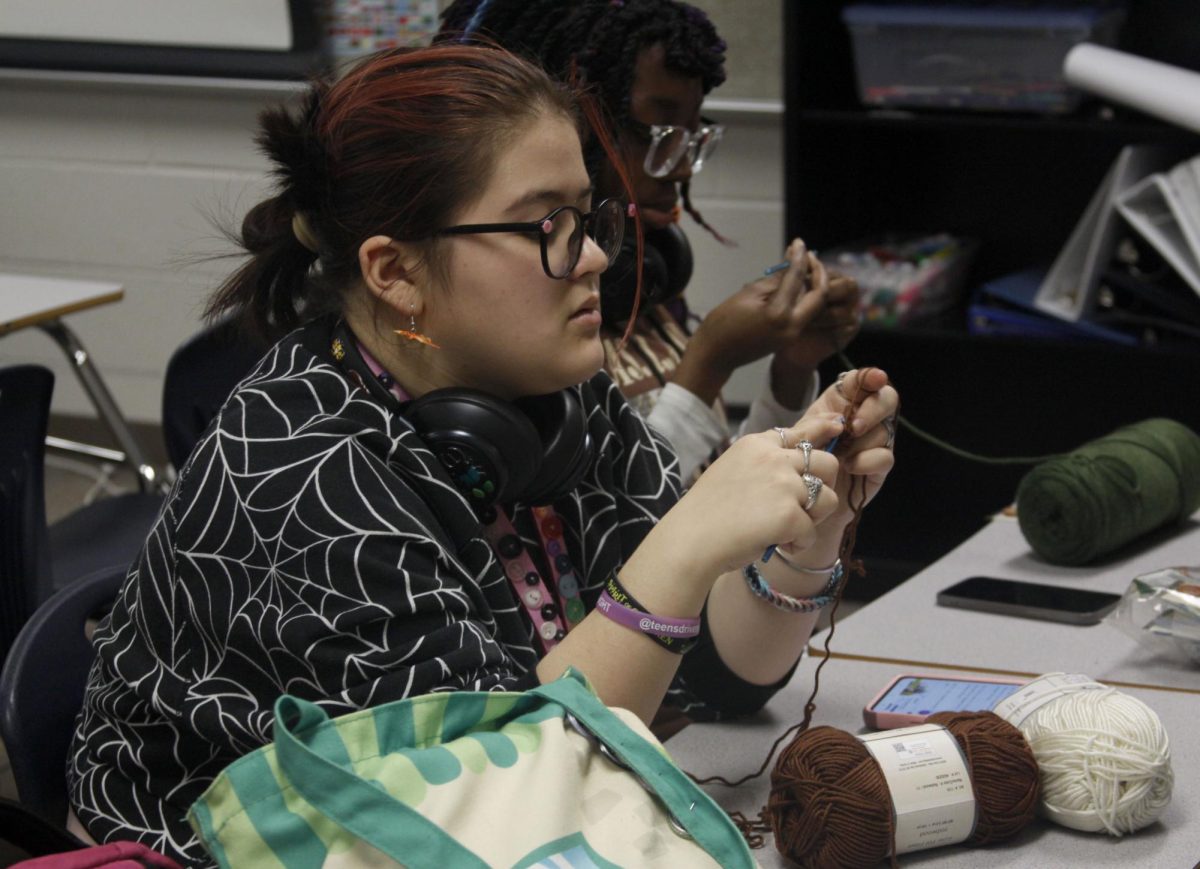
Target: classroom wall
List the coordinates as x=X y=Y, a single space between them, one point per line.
x=118 y=181
x=112 y=183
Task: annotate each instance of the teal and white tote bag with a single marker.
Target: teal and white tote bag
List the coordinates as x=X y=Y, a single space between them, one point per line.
x=547 y=778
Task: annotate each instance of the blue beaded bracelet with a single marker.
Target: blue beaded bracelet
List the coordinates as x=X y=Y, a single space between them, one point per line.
x=761 y=589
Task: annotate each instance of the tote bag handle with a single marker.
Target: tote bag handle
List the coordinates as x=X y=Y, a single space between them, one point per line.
x=692 y=808
x=315 y=762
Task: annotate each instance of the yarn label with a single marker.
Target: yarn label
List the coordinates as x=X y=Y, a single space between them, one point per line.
x=1018 y=706
x=926 y=773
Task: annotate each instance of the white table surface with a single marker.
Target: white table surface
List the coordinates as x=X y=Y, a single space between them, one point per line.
x=30 y=300
x=907 y=626
x=26 y=300
x=736 y=748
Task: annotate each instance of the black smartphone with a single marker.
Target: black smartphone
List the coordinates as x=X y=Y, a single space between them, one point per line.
x=1056 y=603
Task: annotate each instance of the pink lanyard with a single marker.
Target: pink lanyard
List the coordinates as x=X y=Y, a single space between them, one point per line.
x=546 y=604
x=545 y=608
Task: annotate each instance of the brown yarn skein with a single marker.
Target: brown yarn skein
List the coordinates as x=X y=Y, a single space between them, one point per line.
x=830 y=807
x=1003 y=769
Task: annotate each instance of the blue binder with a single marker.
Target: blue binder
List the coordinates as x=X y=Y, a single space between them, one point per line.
x=1005 y=306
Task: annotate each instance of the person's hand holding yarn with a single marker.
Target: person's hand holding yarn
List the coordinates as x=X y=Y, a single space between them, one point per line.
x=764 y=317
x=755 y=494
x=869 y=403
x=732 y=488
x=831 y=330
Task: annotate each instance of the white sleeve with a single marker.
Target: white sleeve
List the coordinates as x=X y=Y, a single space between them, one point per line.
x=766 y=412
x=693 y=428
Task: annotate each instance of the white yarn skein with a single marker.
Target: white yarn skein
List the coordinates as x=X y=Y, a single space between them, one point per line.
x=1105 y=761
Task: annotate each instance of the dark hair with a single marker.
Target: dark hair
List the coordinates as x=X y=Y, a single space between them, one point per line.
x=395 y=147
x=596 y=43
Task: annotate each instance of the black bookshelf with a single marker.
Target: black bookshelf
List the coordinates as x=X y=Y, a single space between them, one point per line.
x=1016 y=183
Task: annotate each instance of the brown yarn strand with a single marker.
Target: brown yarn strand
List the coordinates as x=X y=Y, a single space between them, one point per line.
x=751 y=828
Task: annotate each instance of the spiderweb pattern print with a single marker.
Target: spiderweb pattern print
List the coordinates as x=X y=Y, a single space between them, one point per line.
x=313 y=545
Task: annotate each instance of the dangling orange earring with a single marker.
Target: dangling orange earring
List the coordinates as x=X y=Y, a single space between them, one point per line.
x=412 y=334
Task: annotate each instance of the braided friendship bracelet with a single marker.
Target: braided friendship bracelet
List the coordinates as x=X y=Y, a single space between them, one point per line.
x=674 y=635
x=786 y=602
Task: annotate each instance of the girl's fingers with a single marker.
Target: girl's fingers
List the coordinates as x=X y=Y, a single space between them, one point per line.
x=870 y=463
x=794 y=281
x=818 y=429
x=860 y=383
x=874 y=410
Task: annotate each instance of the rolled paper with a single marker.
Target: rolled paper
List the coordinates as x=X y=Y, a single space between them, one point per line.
x=1159 y=89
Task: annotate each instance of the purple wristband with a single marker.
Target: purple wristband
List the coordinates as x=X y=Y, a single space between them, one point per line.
x=654 y=626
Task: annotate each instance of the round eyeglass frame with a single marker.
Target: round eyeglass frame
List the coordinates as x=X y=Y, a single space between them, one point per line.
x=696 y=146
x=585 y=223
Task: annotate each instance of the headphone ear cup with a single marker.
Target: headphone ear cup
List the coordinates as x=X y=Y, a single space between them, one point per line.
x=532 y=450
x=666 y=269
x=567 y=446
x=673 y=247
x=490 y=448
x=618 y=283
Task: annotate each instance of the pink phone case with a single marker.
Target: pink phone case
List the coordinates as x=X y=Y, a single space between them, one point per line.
x=889 y=720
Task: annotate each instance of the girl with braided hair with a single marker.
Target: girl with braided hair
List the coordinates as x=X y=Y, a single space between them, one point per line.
x=650 y=63
x=429 y=484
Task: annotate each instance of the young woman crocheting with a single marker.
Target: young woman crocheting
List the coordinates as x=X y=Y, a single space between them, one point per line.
x=429 y=484
x=650 y=63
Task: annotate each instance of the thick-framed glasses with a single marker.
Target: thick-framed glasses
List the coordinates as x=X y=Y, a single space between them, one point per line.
x=561 y=233
x=668 y=145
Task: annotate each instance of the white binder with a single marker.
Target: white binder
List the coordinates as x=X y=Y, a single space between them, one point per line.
x=1165 y=210
x=1069 y=288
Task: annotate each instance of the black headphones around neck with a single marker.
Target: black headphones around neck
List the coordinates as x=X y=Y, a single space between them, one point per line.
x=666 y=270
x=532 y=450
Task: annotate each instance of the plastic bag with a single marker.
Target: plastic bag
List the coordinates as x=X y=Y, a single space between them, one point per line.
x=1161 y=610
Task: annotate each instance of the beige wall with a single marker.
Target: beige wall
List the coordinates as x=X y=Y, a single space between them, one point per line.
x=114 y=181
x=753 y=30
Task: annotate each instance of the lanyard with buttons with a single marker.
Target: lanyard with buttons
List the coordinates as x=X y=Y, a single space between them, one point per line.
x=545 y=608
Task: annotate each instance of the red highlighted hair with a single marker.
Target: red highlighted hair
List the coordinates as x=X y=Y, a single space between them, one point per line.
x=397 y=146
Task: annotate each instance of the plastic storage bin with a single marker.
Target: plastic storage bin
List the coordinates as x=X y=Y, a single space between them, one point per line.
x=988 y=56
x=905 y=280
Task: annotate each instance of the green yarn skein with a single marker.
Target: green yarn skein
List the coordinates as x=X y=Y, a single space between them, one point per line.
x=1075 y=508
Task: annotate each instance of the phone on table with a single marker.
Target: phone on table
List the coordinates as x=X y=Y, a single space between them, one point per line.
x=910 y=698
x=1056 y=603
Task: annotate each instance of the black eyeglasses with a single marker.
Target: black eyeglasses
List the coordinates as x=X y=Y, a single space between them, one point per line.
x=667 y=145
x=561 y=233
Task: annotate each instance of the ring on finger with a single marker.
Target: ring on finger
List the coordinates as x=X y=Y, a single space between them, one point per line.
x=782 y=432
x=889 y=425
x=806 y=447
x=837 y=384
x=814 y=484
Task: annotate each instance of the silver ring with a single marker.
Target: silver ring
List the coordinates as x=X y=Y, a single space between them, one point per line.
x=806 y=447
x=837 y=384
x=782 y=432
x=889 y=425
x=815 y=484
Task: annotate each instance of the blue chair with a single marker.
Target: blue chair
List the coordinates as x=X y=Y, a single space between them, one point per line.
x=199 y=377
x=36 y=561
x=41 y=689
x=24 y=563
x=24 y=834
